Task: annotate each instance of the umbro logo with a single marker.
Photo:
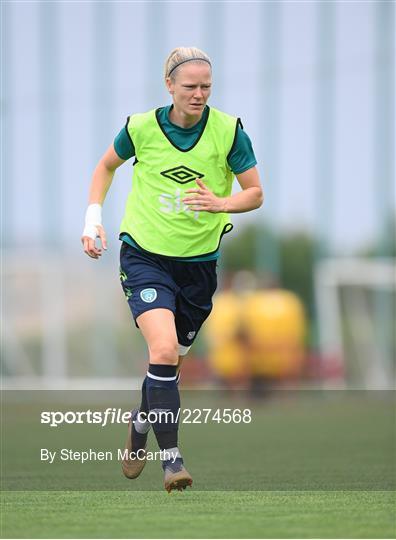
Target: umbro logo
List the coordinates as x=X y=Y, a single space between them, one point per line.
x=182 y=174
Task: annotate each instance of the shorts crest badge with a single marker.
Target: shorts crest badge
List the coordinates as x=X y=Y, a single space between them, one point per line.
x=148 y=295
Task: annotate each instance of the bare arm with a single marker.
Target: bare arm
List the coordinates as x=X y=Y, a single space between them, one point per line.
x=100 y=184
x=103 y=176
x=249 y=198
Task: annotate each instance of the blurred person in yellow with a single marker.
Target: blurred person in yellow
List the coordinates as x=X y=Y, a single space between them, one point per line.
x=256 y=337
x=275 y=326
x=186 y=157
x=226 y=347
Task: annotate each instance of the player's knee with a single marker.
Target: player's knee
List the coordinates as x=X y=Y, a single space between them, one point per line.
x=164 y=353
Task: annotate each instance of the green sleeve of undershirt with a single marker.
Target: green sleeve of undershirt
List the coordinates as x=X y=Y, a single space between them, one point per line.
x=241 y=158
x=123 y=144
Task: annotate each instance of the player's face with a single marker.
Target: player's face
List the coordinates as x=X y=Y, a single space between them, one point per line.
x=191 y=88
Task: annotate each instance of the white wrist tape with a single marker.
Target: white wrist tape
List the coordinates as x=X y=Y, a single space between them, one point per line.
x=93 y=218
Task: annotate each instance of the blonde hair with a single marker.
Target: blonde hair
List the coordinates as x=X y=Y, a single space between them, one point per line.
x=180 y=55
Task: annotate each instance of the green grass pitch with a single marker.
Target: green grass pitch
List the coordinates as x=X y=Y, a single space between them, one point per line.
x=305 y=468
x=197 y=514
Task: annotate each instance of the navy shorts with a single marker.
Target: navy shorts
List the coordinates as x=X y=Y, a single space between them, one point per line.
x=186 y=288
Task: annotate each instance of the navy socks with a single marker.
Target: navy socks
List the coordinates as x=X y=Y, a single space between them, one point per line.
x=141 y=425
x=144 y=405
x=163 y=402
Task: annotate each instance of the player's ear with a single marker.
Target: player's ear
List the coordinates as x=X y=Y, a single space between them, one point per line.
x=169 y=85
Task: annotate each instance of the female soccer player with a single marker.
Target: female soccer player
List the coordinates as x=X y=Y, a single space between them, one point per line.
x=186 y=156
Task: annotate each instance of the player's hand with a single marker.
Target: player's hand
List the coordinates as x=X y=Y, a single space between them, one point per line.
x=88 y=243
x=204 y=200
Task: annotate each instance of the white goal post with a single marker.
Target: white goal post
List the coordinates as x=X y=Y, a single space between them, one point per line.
x=355 y=308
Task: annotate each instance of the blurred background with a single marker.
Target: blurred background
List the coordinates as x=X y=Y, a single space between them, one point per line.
x=306 y=283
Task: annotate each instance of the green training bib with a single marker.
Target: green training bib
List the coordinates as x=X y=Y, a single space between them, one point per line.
x=155 y=216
